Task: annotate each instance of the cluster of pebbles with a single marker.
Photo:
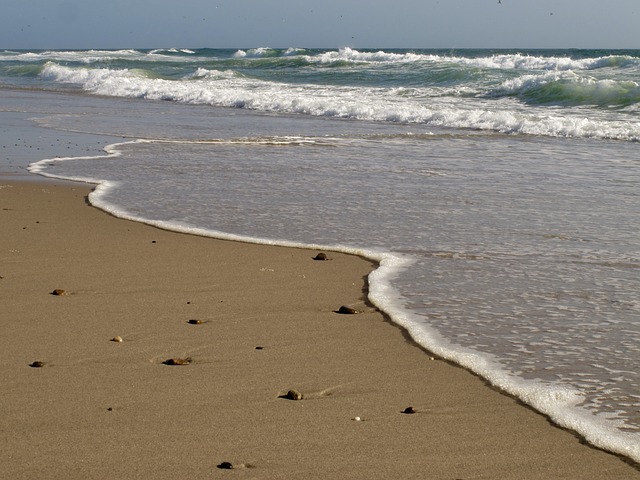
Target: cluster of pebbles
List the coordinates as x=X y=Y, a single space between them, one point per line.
x=58 y=292
x=291 y=394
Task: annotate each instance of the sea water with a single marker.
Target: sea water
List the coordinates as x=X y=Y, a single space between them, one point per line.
x=500 y=191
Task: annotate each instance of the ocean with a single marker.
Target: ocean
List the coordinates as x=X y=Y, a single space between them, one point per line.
x=498 y=190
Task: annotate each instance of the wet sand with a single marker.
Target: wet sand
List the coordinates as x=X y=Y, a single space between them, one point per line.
x=103 y=409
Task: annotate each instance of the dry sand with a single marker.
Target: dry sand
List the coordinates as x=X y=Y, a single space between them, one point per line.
x=100 y=409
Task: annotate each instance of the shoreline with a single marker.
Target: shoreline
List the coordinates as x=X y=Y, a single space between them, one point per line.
x=103 y=409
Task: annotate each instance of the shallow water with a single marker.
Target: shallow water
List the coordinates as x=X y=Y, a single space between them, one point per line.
x=523 y=251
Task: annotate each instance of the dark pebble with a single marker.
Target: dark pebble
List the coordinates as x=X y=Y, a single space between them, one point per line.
x=293 y=395
x=58 y=292
x=37 y=364
x=195 y=322
x=226 y=466
x=177 y=361
x=409 y=410
x=344 y=310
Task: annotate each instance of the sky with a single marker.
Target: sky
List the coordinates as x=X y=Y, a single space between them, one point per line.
x=107 y=24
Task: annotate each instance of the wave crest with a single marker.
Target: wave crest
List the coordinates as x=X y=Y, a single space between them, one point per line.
x=570 y=89
x=229 y=88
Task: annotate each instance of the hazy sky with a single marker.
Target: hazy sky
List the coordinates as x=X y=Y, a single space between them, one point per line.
x=85 y=24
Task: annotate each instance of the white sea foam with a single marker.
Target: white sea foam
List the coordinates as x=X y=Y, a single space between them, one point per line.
x=350 y=55
x=214 y=74
x=90 y=57
x=171 y=50
x=378 y=104
x=87 y=57
x=511 y=61
x=515 y=61
x=526 y=62
x=293 y=51
x=254 y=52
x=560 y=403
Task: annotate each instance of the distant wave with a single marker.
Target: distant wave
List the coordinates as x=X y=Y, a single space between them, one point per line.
x=515 y=61
x=92 y=79
x=172 y=50
x=351 y=55
x=506 y=61
x=203 y=73
x=526 y=62
x=257 y=53
x=267 y=52
x=99 y=56
x=84 y=56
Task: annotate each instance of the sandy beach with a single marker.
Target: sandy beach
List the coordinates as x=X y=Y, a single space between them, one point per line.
x=250 y=322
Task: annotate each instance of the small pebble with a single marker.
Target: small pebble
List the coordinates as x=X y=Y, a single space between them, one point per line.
x=293 y=395
x=357 y=419
x=195 y=322
x=409 y=410
x=344 y=310
x=117 y=339
x=58 y=292
x=321 y=257
x=37 y=364
x=178 y=361
x=259 y=348
x=226 y=466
